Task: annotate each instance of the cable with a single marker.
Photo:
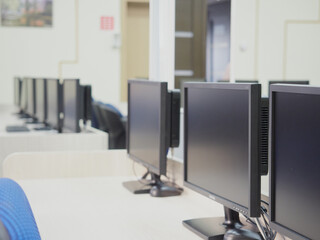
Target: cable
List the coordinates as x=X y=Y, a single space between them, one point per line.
x=265 y=230
x=264 y=202
x=260 y=229
x=138 y=178
x=249 y=220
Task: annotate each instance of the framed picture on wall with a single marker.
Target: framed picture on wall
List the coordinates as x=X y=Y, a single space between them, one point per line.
x=26 y=13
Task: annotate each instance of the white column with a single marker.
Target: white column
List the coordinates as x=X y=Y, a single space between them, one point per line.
x=162 y=41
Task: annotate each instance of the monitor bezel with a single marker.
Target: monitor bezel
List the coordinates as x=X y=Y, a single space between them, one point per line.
x=254 y=178
x=282 y=88
x=76 y=126
x=161 y=170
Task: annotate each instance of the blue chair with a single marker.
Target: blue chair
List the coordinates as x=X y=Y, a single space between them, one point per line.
x=15 y=212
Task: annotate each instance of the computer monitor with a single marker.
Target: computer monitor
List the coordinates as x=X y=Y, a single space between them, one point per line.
x=223 y=81
x=71 y=105
x=221 y=153
x=294 y=160
x=247 y=81
x=86 y=99
x=31 y=97
x=41 y=100
x=24 y=96
x=149 y=133
x=300 y=82
x=54 y=104
x=17 y=91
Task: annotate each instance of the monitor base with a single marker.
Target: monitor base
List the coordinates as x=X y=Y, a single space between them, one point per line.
x=45 y=128
x=23 y=116
x=207 y=228
x=227 y=228
x=241 y=234
x=165 y=190
x=32 y=121
x=154 y=186
x=138 y=187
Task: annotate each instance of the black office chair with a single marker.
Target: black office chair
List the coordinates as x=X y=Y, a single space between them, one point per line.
x=115 y=125
x=99 y=123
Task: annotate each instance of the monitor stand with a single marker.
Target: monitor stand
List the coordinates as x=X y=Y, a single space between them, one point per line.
x=142 y=186
x=32 y=121
x=45 y=127
x=23 y=115
x=227 y=228
x=154 y=186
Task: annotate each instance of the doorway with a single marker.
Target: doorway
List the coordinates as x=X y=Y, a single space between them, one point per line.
x=135 y=42
x=218 y=40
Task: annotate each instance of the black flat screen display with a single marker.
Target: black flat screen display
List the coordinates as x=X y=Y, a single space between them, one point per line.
x=41 y=107
x=24 y=95
x=31 y=98
x=71 y=105
x=296 y=135
x=145 y=123
x=53 y=113
x=218 y=142
x=17 y=91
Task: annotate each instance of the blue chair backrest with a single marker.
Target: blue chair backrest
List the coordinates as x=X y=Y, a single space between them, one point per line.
x=15 y=212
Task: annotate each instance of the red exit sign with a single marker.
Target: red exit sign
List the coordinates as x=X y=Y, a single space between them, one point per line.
x=107 y=23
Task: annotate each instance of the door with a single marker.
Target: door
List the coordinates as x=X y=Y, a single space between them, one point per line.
x=218 y=41
x=135 y=42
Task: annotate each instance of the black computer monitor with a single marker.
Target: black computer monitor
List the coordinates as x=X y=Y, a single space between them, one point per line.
x=86 y=99
x=221 y=153
x=17 y=91
x=300 y=82
x=24 y=95
x=295 y=166
x=223 y=81
x=54 y=104
x=41 y=100
x=71 y=105
x=31 y=97
x=247 y=81
x=148 y=137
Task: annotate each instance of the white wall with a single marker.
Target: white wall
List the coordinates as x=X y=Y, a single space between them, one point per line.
x=162 y=41
x=275 y=40
x=37 y=52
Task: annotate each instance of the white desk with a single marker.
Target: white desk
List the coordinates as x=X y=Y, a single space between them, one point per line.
x=91 y=139
x=79 y=195
x=100 y=208
x=77 y=202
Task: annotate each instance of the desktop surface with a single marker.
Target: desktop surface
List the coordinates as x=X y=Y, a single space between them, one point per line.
x=100 y=208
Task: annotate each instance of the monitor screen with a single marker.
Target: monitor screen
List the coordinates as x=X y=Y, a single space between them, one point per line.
x=31 y=97
x=221 y=143
x=71 y=105
x=17 y=91
x=54 y=99
x=41 y=100
x=295 y=177
x=147 y=124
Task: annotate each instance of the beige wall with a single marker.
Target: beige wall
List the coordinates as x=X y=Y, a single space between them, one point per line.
x=37 y=52
x=274 y=40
